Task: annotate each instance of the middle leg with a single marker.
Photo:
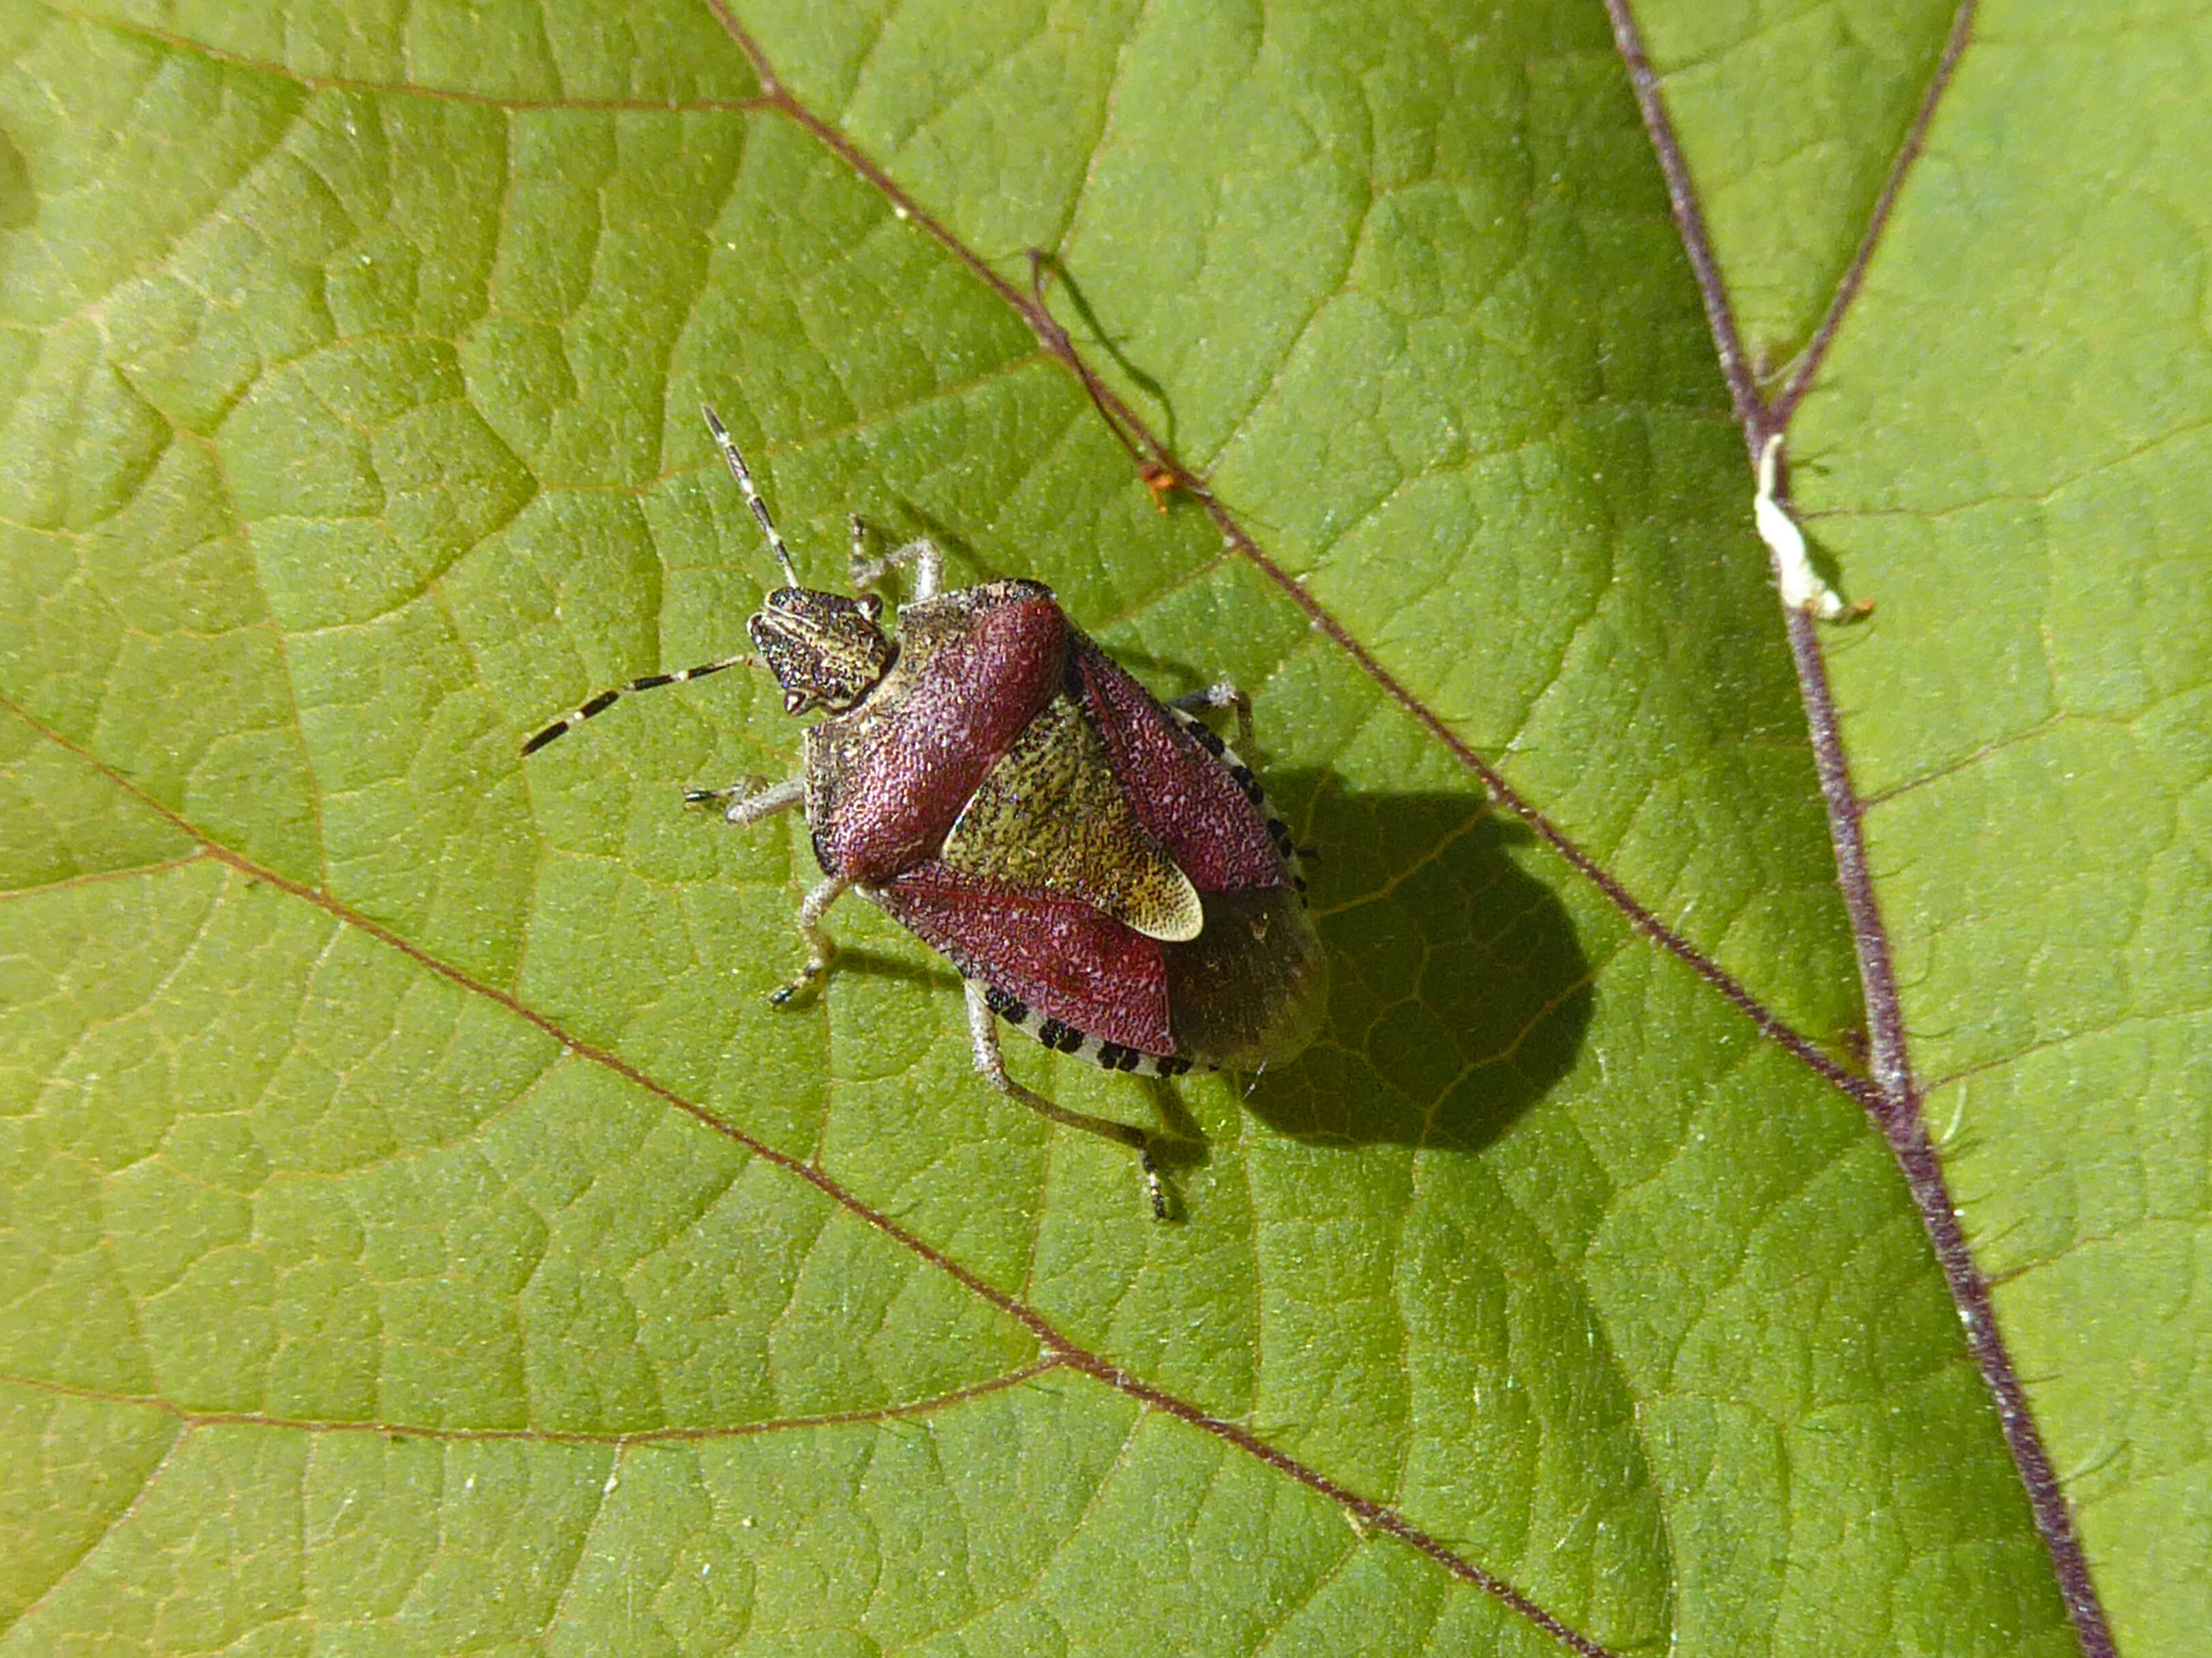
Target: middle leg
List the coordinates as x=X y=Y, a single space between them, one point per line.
x=821 y=948
x=750 y=798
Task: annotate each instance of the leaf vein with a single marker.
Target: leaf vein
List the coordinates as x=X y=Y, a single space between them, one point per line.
x=1058 y=1350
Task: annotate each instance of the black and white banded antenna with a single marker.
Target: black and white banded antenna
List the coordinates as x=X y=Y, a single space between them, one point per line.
x=744 y=478
x=605 y=699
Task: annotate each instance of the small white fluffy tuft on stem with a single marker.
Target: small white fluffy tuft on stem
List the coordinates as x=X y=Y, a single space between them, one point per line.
x=1801 y=586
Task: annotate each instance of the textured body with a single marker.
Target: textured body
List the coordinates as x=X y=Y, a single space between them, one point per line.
x=1102 y=863
x=886 y=781
x=1052 y=818
x=1104 y=873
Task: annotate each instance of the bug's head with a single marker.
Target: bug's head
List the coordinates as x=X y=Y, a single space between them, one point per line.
x=825 y=651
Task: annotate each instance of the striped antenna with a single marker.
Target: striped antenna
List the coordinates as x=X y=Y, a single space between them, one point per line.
x=606 y=700
x=752 y=495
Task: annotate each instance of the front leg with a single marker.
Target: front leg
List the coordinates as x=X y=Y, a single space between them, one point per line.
x=928 y=563
x=748 y=801
x=750 y=804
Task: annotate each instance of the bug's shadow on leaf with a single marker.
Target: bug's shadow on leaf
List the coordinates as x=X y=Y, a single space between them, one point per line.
x=1043 y=265
x=1460 y=994
x=18 y=204
x=1182 y=1143
x=860 y=959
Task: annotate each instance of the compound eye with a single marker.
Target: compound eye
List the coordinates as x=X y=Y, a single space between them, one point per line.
x=872 y=606
x=794 y=701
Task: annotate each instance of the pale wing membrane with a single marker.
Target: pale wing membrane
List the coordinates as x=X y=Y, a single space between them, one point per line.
x=1051 y=817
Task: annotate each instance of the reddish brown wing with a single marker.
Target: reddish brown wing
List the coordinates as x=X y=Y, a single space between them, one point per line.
x=886 y=782
x=1059 y=955
x=1184 y=797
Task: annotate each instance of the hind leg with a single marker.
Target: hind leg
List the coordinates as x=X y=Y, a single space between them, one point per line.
x=983 y=1032
x=1222 y=694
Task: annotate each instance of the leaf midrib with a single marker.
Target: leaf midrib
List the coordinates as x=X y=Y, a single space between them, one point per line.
x=1895 y=1095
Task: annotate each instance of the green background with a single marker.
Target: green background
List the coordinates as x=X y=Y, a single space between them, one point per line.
x=405 y=1246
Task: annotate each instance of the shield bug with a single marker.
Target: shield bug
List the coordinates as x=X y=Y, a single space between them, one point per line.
x=1102 y=869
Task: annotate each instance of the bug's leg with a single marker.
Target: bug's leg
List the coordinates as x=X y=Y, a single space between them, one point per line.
x=928 y=563
x=748 y=800
x=821 y=948
x=928 y=566
x=1222 y=694
x=749 y=804
x=983 y=1032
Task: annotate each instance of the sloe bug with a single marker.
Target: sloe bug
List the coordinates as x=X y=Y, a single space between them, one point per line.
x=1102 y=869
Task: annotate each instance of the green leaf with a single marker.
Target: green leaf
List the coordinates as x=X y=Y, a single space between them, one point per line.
x=2006 y=449
x=421 y=1234
x=1793 y=116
